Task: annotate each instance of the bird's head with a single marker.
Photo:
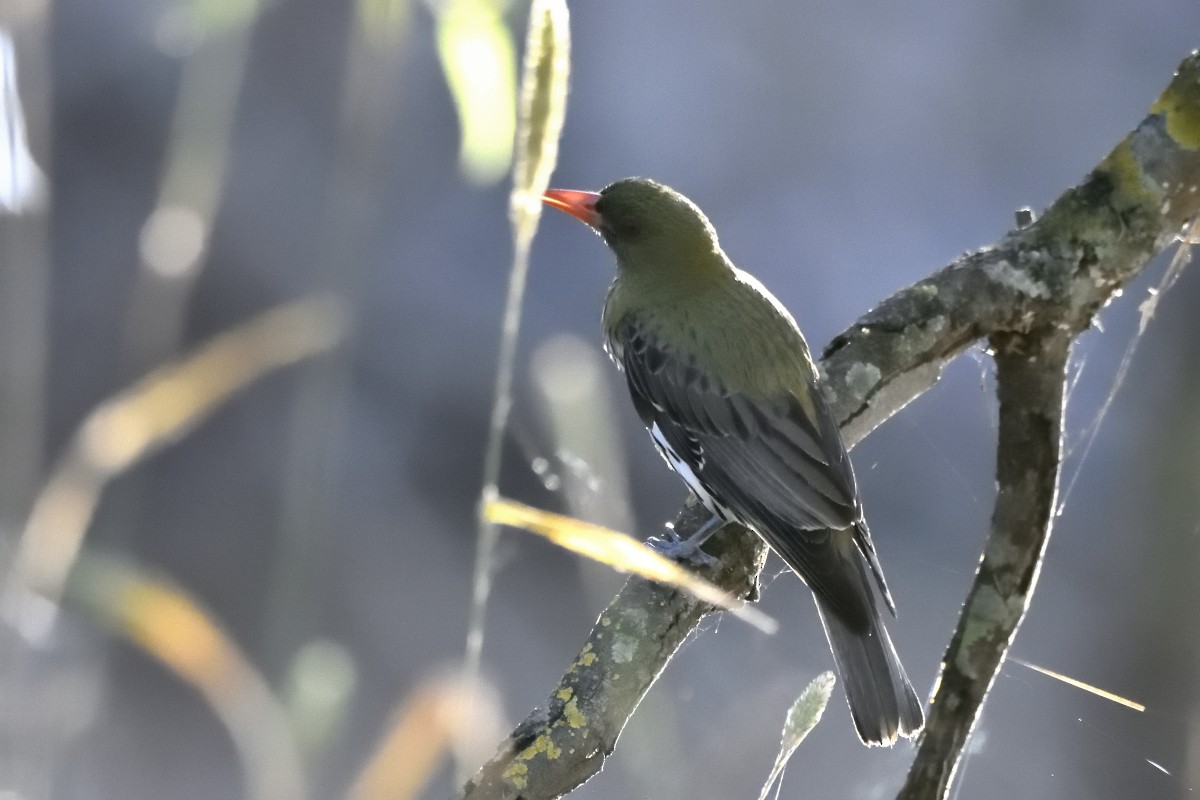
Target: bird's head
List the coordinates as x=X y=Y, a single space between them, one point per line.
x=648 y=226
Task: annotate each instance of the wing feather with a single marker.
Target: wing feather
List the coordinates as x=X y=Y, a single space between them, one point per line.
x=784 y=474
x=797 y=467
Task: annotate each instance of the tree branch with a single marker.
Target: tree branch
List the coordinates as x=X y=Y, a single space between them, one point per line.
x=1053 y=275
x=557 y=748
x=1030 y=380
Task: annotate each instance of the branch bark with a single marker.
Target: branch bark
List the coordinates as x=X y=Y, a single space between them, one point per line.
x=557 y=748
x=1042 y=282
x=1030 y=381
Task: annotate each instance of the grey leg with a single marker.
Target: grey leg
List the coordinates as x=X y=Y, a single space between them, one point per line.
x=679 y=549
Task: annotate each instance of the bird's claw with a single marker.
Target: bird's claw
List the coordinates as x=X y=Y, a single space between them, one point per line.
x=674 y=547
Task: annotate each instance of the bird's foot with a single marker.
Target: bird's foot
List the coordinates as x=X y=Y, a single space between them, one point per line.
x=675 y=547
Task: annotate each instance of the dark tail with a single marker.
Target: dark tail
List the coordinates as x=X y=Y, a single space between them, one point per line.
x=882 y=701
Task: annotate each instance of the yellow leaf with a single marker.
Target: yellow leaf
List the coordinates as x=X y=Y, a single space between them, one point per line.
x=619 y=552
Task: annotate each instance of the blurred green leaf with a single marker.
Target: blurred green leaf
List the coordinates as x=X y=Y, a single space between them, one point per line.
x=383 y=22
x=317 y=691
x=477 y=55
x=216 y=17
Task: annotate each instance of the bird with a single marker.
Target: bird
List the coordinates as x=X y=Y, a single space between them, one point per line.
x=722 y=378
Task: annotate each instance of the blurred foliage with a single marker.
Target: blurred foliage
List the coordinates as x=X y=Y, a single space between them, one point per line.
x=421 y=734
x=476 y=51
x=220 y=17
x=477 y=54
x=317 y=691
x=383 y=22
x=21 y=181
x=165 y=622
x=151 y=414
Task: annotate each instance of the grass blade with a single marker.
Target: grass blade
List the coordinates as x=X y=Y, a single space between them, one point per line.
x=540 y=119
x=803 y=717
x=620 y=552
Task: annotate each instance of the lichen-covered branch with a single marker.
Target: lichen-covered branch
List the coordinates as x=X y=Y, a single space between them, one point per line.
x=1051 y=276
x=1030 y=380
x=559 y=747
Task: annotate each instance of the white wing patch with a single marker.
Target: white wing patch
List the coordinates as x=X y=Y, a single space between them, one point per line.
x=685 y=471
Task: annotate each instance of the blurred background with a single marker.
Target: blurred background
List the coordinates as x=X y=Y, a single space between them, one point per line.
x=207 y=160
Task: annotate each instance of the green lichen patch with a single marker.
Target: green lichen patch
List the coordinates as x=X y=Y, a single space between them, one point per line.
x=1180 y=105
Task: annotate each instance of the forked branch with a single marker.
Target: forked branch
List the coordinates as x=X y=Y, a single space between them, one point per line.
x=1030 y=294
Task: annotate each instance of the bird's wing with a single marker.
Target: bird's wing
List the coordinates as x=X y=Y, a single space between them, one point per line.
x=780 y=471
x=764 y=455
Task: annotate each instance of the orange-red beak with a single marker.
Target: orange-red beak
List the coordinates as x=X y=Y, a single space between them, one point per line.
x=580 y=205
